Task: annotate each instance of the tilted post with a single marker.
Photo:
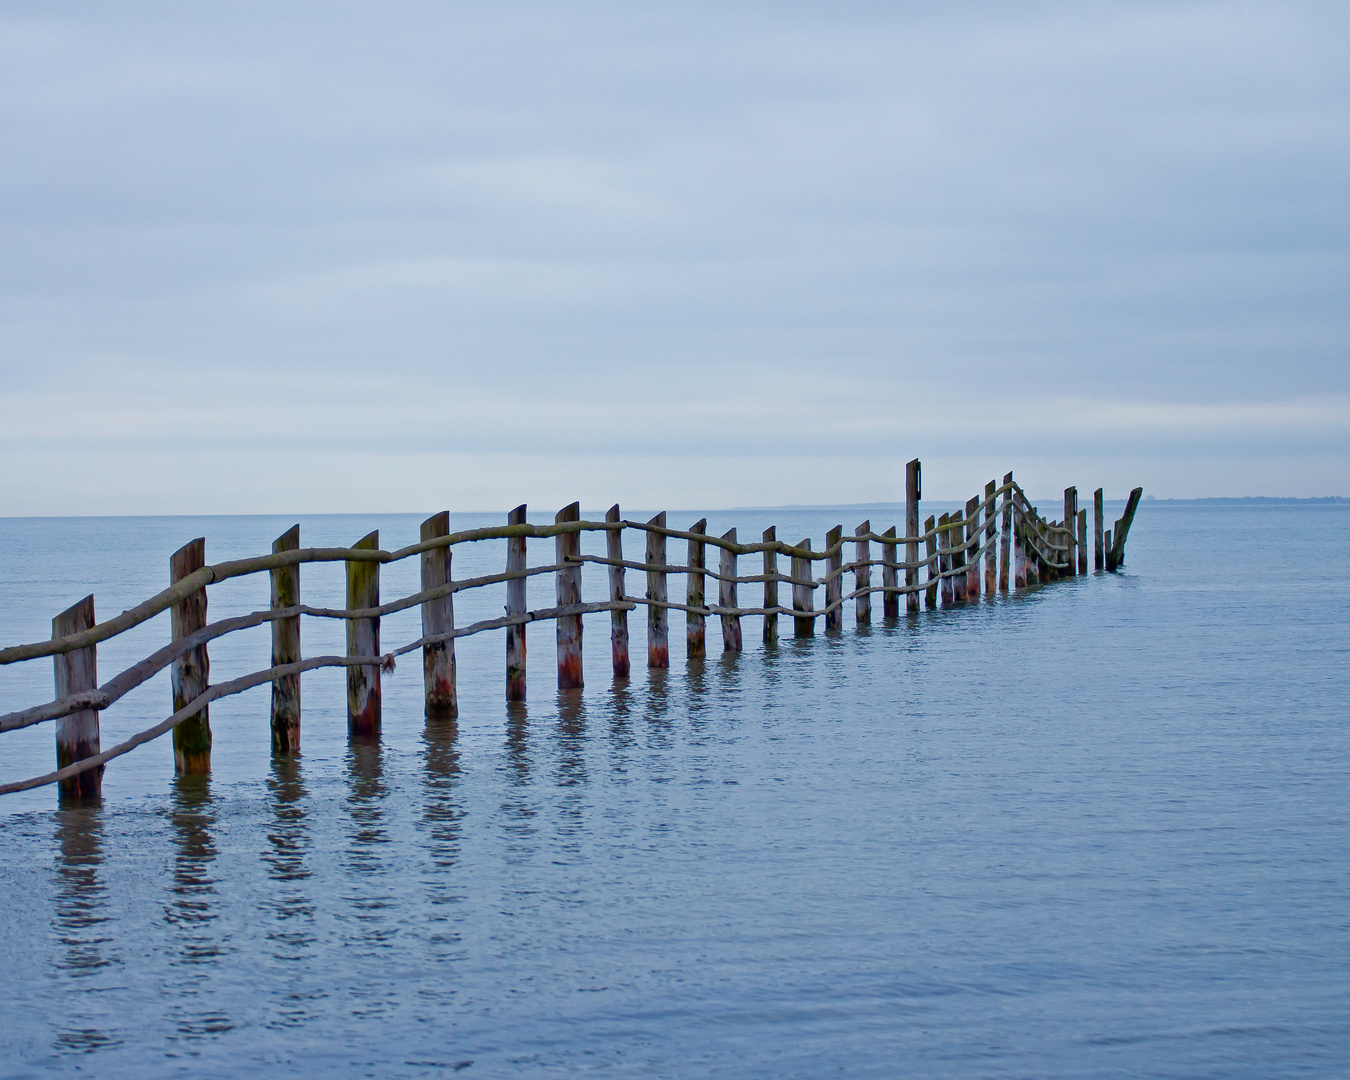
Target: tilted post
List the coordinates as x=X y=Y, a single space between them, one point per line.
x=770 y=587
x=77 y=734
x=1099 y=555
x=658 y=634
x=890 y=601
x=726 y=597
x=990 y=538
x=363 y=639
x=1070 y=521
x=834 y=578
x=930 y=599
x=567 y=546
x=1082 y=542
x=974 y=530
x=515 y=607
x=286 y=648
x=618 y=618
x=191 y=673
x=913 y=490
x=695 y=626
x=1122 y=529
x=438 y=617
x=802 y=600
x=862 y=576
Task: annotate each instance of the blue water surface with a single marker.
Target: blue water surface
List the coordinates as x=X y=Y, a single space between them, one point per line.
x=1095 y=830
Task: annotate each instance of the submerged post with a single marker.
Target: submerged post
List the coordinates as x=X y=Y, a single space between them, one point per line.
x=567 y=546
x=363 y=639
x=802 y=600
x=834 y=578
x=695 y=626
x=726 y=597
x=438 y=617
x=515 y=607
x=1070 y=537
x=913 y=490
x=890 y=601
x=658 y=639
x=191 y=673
x=77 y=734
x=618 y=617
x=286 y=648
x=990 y=538
x=862 y=576
x=1099 y=556
x=770 y=587
x=931 y=557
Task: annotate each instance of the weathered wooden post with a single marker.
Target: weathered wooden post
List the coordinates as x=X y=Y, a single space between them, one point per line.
x=658 y=639
x=1115 y=555
x=515 y=607
x=890 y=565
x=973 y=532
x=930 y=599
x=77 y=734
x=1019 y=533
x=990 y=538
x=862 y=576
x=913 y=490
x=770 y=587
x=286 y=648
x=191 y=673
x=944 y=542
x=956 y=556
x=1109 y=564
x=834 y=578
x=726 y=597
x=438 y=617
x=1005 y=536
x=1070 y=520
x=618 y=618
x=695 y=626
x=1041 y=562
x=1099 y=560
x=1082 y=542
x=567 y=546
x=802 y=600
x=363 y=639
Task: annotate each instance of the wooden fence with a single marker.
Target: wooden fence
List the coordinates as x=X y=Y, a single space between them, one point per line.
x=1001 y=542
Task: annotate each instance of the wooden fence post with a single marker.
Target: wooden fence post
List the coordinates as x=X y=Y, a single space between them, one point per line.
x=567 y=546
x=1099 y=560
x=1071 y=520
x=363 y=639
x=990 y=538
x=913 y=491
x=862 y=576
x=890 y=601
x=1109 y=565
x=834 y=578
x=695 y=626
x=956 y=556
x=1019 y=535
x=770 y=587
x=286 y=648
x=515 y=606
x=1082 y=542
x=930 y=600
x=658 y=638
x=802 y=600
x=973 y=532
x=191 y=673
x=438 y=617
x=1115 y=557
x=1005 y=536
x=726 y=597
x=618 y=619
x=944 y=543
x=77 y=734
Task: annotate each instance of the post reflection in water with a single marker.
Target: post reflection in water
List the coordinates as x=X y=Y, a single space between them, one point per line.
x=518 y=811
x=293 y=909
x=368 y=893
x=191 y=909
x=79 y=925
x=441 y=825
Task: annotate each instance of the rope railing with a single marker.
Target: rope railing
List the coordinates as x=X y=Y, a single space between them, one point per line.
x=1001 y=527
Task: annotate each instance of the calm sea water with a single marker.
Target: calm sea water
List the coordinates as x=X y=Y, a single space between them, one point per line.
x=1096 y=830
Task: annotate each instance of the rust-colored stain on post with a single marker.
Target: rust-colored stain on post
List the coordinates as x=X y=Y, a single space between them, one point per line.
x=568 y=548
x=286 y=648
x=770 y=587
x=862 y=576
x=726 y=595
x=973 y=532
x=363 y=639
x=515 y=606
x=695 y=627
x=930 y=598
x=834 y=579
x=191 y=673
x=890 y=602
x=802 y=600
x=1005 y=537
x=990 y=539
x=618 y=620
x=77 y=734
x=658 y=635
x=438 y=617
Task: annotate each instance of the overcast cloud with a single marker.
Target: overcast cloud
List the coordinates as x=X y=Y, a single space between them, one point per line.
x=285 y=257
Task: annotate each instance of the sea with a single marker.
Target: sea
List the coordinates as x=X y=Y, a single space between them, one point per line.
x=1097 y=829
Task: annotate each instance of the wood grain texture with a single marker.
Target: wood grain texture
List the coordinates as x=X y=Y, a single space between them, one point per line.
x=990 y=539
x=862 y=576
x=974 y=530
x=191 y=673
x=515 y=607
x=913 y=491
x=567 y=546
x=695 y=625
x=726 y=594
x=947 y=589
x=77 y=734
x=770 y=587
x=364 y=711
x=286 y=648
x=1098 y=537
x=440 y=695
x=930 y=596
x=1020 y=525
x=618 y=618
x=834 y=579
x=658 y=634
x=890 y=576
x=1082 y=542
x=1070 y=539
x=802 y=625
x=1005 y=536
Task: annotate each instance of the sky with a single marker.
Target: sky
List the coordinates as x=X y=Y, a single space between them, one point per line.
x=333 y=257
